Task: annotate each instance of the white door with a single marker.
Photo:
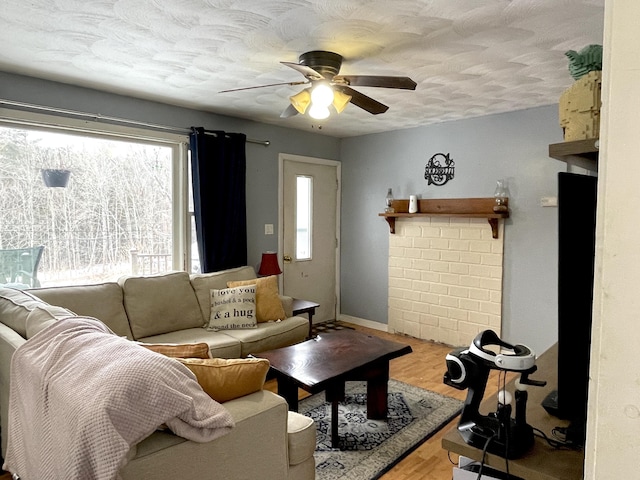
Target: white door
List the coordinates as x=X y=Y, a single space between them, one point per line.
x=309 y=231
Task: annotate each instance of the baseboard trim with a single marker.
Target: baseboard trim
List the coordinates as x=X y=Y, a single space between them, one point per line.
x=383 y=327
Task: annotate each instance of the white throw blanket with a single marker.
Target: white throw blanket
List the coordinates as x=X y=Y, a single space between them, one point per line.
x=81 y=397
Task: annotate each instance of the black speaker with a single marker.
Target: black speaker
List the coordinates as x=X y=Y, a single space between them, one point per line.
x=577 y=198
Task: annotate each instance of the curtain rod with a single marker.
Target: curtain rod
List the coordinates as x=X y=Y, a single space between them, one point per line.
x=98 y=117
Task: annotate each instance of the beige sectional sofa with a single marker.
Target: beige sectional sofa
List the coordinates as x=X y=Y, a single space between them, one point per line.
x=267 y=441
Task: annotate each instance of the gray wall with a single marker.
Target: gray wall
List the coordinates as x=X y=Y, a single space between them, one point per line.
x=513 y=146
x=262 y=162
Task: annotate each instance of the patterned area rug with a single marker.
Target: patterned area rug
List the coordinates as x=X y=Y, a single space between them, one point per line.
x=369 y=448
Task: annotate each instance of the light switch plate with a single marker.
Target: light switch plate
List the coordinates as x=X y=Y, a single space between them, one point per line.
x=268 y=228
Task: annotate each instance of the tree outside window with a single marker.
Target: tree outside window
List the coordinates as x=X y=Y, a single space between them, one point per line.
x=118 y=200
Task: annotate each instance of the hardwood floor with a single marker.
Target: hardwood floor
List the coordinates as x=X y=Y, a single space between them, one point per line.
x=423 y=368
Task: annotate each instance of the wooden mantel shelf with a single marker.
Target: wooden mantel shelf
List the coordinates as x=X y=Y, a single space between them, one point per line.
x=450 y=207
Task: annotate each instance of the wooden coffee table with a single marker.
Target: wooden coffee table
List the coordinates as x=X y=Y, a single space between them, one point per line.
x=327 y=361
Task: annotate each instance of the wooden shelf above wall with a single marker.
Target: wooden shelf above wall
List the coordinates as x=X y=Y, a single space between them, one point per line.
x=582 y=153
x=449 y=207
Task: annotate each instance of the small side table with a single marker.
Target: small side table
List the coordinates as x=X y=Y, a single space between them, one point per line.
x=305 y=306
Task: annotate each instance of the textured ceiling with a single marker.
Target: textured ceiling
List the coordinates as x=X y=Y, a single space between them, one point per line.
x=468 y=57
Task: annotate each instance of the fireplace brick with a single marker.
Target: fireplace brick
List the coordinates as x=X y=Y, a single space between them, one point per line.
x=445 y=278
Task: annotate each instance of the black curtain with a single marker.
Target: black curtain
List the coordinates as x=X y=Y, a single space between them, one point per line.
x=218 y=167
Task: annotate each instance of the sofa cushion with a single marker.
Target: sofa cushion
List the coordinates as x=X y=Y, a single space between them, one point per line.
x=17 y=305
x=160 y=304
x=43 y=316
x=287 y=304
x=102 y=301
x=220 y=344
x=268 y=303
x=270 y=335
x=226 y=379
x=233 y=308
x=183 y=350
x=203 y=283
x=301 y=432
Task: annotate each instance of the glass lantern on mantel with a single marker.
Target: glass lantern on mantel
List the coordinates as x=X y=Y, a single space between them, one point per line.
x=501 y=196
x=389 y=202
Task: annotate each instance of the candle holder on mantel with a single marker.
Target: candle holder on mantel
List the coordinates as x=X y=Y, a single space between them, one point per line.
x=501 y=195
x=389 y=202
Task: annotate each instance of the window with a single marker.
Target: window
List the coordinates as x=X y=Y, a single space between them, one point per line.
x=194 y=258
x=123 y=210
x=304 y=190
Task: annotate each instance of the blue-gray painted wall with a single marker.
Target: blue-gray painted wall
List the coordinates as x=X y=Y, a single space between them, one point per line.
x=511 y=146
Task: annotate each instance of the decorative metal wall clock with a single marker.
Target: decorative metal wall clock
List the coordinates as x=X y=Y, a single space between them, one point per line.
x=439 y=171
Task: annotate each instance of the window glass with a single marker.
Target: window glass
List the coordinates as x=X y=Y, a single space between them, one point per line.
x=114 y=216
x=194 y=252
x=304 y=188
x=192 y=239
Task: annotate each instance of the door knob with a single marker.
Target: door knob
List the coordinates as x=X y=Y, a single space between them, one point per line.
x=287 y=258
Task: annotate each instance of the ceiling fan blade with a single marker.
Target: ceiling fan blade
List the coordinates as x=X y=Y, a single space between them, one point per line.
x=308 y=72
x=263 y=86
x=364 y=102
x=290 y=111
x=375 y=81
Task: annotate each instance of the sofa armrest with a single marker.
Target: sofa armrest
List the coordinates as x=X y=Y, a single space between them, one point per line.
x=10 y=340
x=287 y=304
x=254 y=404
x=256 y=448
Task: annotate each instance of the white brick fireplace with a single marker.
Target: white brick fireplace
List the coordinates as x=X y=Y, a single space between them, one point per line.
x=445 y=278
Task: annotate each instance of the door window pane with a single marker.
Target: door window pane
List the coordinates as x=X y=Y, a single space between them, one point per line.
x=304 y=191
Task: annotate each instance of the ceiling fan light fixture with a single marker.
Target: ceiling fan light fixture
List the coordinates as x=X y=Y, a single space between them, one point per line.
x=301 y=101
x=322 y=94
x=320 y=70
x=319 y=112
x=340 y=101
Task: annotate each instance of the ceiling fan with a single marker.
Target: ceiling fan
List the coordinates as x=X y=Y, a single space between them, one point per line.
x=320 y=69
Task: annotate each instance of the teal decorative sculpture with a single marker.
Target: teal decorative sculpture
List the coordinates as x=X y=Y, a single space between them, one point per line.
x=586 y=60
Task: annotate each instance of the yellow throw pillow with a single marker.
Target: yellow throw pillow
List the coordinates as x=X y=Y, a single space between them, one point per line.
x=226 y=379
x=268 y=303
x=185 y=350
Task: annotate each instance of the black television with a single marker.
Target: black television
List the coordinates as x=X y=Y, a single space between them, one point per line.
x=577 y=198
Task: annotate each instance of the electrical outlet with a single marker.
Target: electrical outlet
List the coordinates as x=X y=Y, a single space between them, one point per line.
x=268 y=228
